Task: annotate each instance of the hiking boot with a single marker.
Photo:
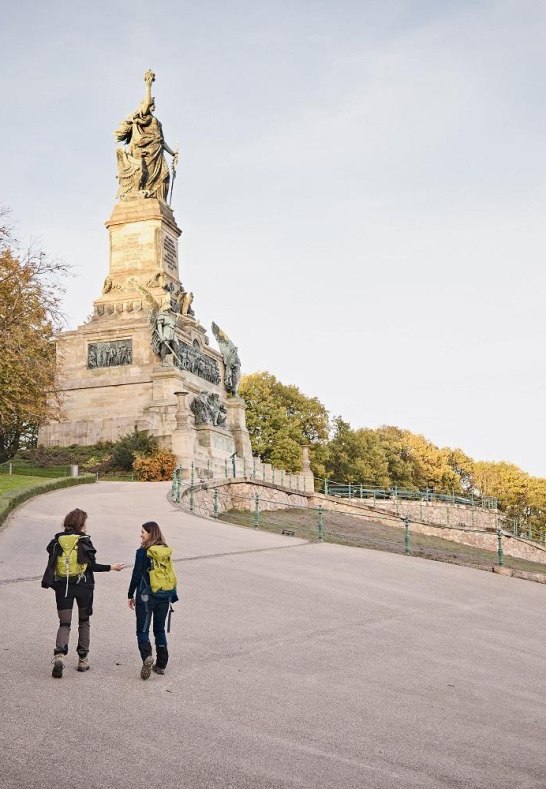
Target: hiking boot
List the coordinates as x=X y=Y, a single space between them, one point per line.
x=146 y=669
x=83 y=664
x=158 y=669
x=58 y=666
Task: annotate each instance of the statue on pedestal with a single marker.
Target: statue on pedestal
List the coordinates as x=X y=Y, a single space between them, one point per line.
x=208 y=410
x=142 y=169
x=232 y=361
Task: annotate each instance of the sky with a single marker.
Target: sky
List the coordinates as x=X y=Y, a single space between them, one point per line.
x=361 y=189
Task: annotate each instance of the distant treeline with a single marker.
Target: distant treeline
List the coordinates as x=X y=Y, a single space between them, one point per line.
x=281 y=419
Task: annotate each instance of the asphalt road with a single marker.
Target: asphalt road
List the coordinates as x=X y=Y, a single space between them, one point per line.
x=293 y=665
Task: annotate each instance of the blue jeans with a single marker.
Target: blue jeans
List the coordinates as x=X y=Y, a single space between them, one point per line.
x=153 y=611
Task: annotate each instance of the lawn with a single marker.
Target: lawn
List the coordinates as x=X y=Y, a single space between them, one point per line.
x=14 y=483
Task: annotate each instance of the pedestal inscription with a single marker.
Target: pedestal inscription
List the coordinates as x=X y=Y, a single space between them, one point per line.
x=170 y=257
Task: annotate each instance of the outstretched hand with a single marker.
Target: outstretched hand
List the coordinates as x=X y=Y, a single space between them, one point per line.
x=117 y=567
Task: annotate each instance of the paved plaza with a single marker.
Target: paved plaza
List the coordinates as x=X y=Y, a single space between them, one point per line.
x=292 y=664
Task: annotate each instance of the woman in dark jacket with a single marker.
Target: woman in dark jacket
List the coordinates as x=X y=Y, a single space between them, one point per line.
x=151 y=606
x=70 y=573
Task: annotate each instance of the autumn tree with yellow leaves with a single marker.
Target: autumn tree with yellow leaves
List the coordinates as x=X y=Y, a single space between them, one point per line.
x=30 y=294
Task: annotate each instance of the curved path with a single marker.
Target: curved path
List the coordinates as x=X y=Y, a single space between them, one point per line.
x=293 y=665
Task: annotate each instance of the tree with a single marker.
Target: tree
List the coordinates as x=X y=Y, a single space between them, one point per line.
x=281 y=419
x=399 y=464
x=357 y=456
x=505 y=482
x=30 y=294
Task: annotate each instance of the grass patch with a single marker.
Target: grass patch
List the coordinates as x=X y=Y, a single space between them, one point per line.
x=10 y=483
x=363 y=533
x=22 y=491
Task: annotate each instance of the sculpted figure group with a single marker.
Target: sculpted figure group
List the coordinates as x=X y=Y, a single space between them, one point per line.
x=208 y=410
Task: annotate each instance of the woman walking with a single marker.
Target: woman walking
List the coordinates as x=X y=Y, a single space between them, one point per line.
x=70 y=572
x=151 y=592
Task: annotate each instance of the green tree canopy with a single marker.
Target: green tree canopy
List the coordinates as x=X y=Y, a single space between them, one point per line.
x=281 y=419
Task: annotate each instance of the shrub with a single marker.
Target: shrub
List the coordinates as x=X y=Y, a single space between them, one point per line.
x=156 y=467
x=127 y=447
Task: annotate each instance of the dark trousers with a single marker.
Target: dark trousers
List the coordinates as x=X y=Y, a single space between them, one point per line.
x=65 y=603
x=153 y=611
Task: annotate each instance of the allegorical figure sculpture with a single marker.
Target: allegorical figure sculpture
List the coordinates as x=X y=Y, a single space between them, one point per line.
x=142 y=169
x=231 y=360
x=208 y=410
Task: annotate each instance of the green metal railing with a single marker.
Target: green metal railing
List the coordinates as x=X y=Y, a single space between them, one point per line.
x=362 y=491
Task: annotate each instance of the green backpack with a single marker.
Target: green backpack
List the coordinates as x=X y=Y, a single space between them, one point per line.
x=67 y=565
x=162 y=574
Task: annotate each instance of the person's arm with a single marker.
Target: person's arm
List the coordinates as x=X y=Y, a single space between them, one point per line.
x=89 y=552
x=136 y=577
x=105 y=568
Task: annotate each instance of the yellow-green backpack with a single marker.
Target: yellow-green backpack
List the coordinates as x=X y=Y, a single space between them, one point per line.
x=162 y=574
x=67 y=565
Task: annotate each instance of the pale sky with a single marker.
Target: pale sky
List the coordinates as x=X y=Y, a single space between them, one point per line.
x=361 y=189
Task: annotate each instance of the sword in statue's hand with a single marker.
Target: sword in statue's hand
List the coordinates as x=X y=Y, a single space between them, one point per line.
x=173 y=171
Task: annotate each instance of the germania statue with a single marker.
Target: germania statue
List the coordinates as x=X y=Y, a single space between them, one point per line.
x=142 y=169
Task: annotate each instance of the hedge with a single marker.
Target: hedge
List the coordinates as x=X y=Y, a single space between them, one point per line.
x=9 y=502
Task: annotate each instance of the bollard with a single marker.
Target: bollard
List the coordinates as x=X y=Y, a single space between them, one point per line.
x=320 y=524
x=407 y=547
x=215 y=510
x=499 y=549
x=256 y=510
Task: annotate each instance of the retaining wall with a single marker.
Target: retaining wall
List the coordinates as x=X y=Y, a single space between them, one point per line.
x=465 y=525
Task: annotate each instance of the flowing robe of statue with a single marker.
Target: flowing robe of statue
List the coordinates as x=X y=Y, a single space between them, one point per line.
x=142 y=169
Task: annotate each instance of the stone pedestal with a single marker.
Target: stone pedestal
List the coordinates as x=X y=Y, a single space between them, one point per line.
x=113 y=381
x=237 y=424
x=308 y=476
x=143 y=254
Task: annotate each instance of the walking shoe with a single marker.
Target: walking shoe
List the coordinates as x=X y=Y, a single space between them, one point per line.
x=58 y=666
x=158 y=669
x=83 y=664
x=146 y=669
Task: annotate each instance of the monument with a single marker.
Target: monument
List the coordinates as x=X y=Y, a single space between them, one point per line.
x=143 y=359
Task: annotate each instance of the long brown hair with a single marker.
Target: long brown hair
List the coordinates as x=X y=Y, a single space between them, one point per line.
x=75 y=521
x=156 y=537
